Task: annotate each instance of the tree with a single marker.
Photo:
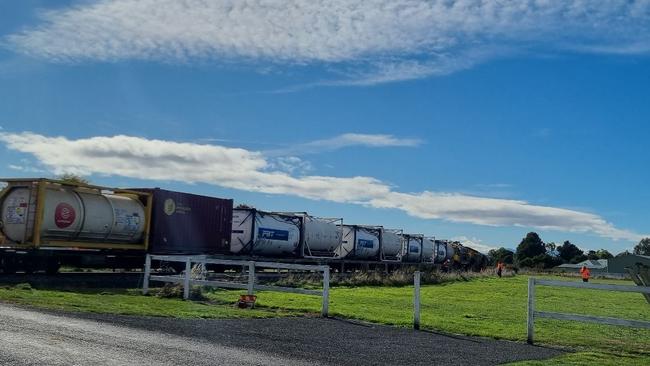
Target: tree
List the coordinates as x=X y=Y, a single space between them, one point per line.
x=530 y=247
x=592 y=255
x=604 y=254
x=643 y=248
x=73 y=178
x=550 y=247
x=501 y=255
x=244 y=206
x=570 y=253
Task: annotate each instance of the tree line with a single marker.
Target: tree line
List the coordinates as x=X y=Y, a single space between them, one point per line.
x=532 y=252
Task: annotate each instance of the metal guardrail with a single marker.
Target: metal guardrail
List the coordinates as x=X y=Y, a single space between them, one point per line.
x=532 y=314
x=187 y=280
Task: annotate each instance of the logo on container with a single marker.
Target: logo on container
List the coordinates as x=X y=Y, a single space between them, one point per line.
x=169 y=206
x=365 y=243
x=273 y=234
x=64 y=215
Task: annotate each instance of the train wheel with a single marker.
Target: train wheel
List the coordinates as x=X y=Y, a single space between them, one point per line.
x=8 y=265
x=52 y=267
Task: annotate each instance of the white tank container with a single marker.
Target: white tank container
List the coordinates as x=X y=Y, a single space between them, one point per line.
x=359 y=242
x=444 y=251
x=413 y=248
x=71 y=214
x=391 y=244
x=321 y=237
x=263 y=233
x=428 y=250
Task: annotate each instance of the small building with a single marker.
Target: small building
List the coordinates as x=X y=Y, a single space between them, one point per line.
x=595 y=266
x=615 y=266
x=618 y=264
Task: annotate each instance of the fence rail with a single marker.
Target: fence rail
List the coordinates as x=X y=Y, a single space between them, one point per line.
x=187 y=280
x=532 y=314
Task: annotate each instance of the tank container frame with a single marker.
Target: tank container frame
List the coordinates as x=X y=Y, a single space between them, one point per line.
x=39 y=187
x=398 y=257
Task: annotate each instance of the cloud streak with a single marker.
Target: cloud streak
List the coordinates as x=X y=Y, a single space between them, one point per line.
x=367 y=41
x=343 y=141
x=241 y=169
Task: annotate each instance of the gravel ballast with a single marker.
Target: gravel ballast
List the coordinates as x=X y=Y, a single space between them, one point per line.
x=34 y=337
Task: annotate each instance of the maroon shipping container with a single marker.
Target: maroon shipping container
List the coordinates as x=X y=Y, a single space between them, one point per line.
x=184 y=223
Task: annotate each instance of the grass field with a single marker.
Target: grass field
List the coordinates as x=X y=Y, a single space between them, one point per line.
x=488 y=307
x=130 y=302
x=494 y=308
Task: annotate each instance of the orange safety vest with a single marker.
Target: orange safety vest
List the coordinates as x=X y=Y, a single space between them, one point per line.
x=585 y=273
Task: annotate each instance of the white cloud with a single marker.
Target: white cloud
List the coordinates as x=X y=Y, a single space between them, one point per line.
x=26 y=168
x=372 y=41
x=250 y=171
x=291 y=165
x=346 y=140
x=476 y=243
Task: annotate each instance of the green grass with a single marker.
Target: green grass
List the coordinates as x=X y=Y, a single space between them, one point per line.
x=590 y=359
x=493 y=308
x=130 y=302
x=488 y=307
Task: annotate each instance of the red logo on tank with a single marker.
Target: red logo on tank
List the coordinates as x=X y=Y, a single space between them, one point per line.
x=64 y=215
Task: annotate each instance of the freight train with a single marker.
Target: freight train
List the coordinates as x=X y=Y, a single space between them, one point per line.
x=47 y=223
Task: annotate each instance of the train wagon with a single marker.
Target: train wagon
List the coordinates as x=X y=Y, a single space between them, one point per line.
x=47 y=223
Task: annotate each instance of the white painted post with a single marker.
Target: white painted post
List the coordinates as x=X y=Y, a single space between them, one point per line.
x=531 y=309
x=326 y=292
x=251 y=278
x=416 y=301
x=147 y=273
x=188 y=274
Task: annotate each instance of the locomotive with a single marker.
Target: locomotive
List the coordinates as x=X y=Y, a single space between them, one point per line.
x=47 y=223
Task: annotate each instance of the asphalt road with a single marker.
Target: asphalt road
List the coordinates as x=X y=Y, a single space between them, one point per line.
x=34 y=337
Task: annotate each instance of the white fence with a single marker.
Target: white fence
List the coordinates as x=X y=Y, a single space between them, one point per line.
x=532 y=314
x=187 y=280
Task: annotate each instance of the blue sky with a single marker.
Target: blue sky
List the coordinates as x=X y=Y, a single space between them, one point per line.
x=453 y=119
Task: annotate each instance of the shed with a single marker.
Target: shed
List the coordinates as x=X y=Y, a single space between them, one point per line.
x=598 y=266
x=618 y=264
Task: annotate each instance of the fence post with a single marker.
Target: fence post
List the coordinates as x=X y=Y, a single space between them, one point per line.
x=531 y=309
x=251 y=278
x=147 y=273
x=416 y=301
x=188 y=274
x=326 y=291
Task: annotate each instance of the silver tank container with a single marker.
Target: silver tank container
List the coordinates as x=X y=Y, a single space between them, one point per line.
x=265 y=233
x=428 y=250
x=359 y=242
x=444 y=251
x=321 y=237
x=412 y=249
x=391 y=244
x=72 y=215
